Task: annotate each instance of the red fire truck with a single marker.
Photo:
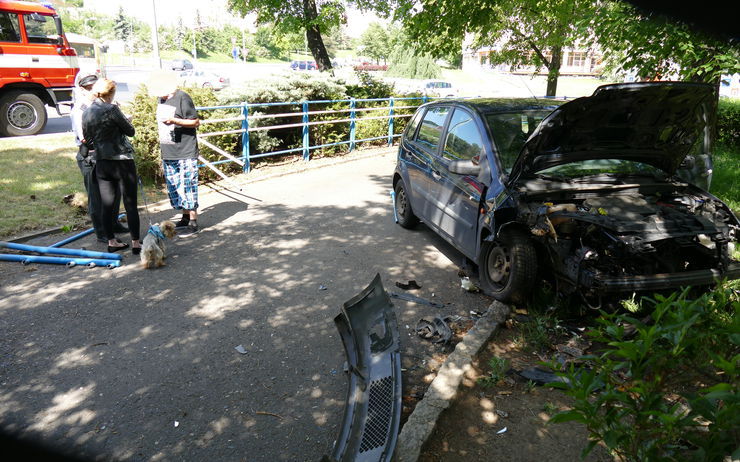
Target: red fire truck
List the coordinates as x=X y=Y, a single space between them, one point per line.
x=37 y=66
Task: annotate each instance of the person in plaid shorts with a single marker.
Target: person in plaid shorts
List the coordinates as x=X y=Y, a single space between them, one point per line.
x=177 y=121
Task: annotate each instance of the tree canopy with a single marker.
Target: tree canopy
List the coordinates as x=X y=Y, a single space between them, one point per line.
x=519 y=32
x=655 y=46
x=315 y=17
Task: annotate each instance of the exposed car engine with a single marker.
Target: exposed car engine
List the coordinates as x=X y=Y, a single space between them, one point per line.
x=632 y=234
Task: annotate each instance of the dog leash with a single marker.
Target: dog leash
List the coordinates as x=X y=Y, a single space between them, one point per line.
x=146 y=206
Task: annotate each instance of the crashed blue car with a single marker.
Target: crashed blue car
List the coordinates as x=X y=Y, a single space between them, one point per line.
x=603 y=195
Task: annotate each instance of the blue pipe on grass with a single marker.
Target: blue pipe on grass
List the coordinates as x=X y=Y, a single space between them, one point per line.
x=90 y=262
x=57 y=251
x=79 y=236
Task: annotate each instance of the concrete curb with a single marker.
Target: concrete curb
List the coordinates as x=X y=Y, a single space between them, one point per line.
x=444 y=387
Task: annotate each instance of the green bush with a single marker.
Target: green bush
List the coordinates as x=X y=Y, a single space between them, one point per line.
x=668 y=392
x=728 y=122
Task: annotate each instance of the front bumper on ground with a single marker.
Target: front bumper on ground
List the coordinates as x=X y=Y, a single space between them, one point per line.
x=665 y=280
x=369 y=332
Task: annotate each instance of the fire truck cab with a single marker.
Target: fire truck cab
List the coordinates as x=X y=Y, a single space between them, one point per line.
x=37 y=66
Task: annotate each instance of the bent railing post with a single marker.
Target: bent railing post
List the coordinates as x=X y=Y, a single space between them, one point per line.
x=306 y=142
x=352 y=124
x=245 y=137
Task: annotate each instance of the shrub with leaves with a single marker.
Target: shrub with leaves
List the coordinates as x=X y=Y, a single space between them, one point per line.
x=664 y=389
x=728 y=122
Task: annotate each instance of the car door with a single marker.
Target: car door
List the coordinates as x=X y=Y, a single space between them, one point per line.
x=418 y=153
x=457 y=197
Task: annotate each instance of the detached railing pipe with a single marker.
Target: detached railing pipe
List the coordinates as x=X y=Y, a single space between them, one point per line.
x=79 y=236
x=58 y=251
x=89 y=262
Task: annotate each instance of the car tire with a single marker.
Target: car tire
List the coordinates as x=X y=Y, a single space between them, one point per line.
x=21 y=114
x=207 y=85
x=404 y=213
x=508 y=266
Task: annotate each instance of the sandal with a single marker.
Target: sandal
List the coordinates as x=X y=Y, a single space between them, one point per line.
x=117 y=248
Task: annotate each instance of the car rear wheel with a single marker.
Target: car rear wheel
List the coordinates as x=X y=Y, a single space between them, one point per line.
x=405 y=215
x=508 y=266
x=207 y=85
x=21 y=114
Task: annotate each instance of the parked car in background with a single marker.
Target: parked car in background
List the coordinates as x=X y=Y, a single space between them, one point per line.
x=439 y=88
x=365 y=66
x=604 y=196
x=181 y=65
x=203 y=79
x=303 y=65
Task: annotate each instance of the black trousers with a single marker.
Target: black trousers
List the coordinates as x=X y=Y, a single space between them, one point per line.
x=94 y=204
x=118 y=177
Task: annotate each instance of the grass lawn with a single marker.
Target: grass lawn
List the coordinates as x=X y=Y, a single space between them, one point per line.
x=37 y=173
x=726 y=176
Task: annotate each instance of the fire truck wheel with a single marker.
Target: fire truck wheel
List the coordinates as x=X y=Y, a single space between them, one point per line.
x=21 y=114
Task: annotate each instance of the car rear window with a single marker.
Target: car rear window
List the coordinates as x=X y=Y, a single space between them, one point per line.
x=411 y=127
x=431 y=127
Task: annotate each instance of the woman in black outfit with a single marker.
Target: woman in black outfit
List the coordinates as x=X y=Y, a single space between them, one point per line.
x=106 y=129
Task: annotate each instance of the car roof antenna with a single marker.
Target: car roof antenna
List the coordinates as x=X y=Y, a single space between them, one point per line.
x=527 y=86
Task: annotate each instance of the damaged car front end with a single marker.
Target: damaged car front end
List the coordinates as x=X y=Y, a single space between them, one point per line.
x=635 y=236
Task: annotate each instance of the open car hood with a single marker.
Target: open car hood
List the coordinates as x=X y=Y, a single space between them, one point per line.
x=657 y=123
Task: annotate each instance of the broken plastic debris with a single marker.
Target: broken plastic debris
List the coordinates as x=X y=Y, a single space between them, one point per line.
x=468 y=285
x=540 y=376
x=411 y=285
x=241 y=349
x=177 y=424
x=437 y=327
x=322 y=287
x=415 y=299
x=503 y=430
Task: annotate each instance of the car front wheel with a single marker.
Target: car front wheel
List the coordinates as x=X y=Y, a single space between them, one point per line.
x=405 y=215
x=508 y=266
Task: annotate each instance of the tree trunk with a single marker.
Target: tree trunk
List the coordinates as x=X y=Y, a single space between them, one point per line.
x=554 y=71
x=313 y=36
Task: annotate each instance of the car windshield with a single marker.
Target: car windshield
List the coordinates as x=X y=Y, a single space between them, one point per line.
x=510 y=130
x=592 y=167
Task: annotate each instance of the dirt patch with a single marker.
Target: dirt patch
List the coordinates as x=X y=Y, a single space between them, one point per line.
x=507 y=420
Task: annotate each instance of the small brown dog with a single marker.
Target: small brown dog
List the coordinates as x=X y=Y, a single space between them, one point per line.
x=153 y=247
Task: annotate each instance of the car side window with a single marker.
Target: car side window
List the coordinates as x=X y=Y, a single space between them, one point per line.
x=463 y=140
x=431 y=127
x=411 y=127
x=9 y=28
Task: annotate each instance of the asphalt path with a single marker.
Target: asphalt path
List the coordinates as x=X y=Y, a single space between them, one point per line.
x=141 y=365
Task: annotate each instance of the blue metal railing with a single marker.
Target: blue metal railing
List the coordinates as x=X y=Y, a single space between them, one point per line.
x=247 y=117
x=247 y=113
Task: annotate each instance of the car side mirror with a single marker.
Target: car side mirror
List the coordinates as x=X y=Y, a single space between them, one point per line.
x=464 y=167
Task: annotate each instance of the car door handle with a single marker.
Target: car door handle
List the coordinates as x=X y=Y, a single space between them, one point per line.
x=436 y=175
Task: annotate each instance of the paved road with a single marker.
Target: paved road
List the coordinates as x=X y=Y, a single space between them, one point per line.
x=140 y=365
